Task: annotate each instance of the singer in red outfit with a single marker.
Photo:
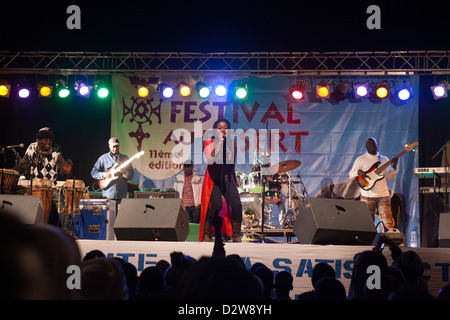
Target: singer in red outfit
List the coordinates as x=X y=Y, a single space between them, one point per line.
x=220 y=183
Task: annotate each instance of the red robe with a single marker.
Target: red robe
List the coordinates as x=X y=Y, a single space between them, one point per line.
x=208 y=183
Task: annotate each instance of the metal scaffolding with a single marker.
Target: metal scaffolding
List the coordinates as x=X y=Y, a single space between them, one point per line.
x=243 y=63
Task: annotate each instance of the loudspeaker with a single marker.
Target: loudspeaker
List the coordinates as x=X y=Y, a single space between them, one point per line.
x=151 y=219
x=334 y=221
x=444 y=230
x=27 y=208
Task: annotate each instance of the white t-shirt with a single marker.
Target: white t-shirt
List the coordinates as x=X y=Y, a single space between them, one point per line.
x=365 y=162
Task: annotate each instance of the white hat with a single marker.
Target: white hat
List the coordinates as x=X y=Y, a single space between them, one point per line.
x=113 y=142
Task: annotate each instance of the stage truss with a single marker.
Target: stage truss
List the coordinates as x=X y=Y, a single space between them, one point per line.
x=244 y=64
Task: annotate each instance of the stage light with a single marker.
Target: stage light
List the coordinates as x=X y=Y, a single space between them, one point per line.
x=203 y=90
x=82 y=89
x=165 y=90
x=220 y=89
x=44 y=90
x=102 y=90
x=439 y=91
x=382 y=89
x=340 y=91
x=24 y=93
x=298 y=91
x=5 y=89
x=361 y=90
x=62 y=88
x=240 y=90
x=142 y=91
x=23 y=89
x=323 y=90
x=184 y=89
x=404 y=93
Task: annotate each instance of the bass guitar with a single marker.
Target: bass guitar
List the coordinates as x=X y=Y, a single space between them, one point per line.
x=375 y=173
x=111 y=174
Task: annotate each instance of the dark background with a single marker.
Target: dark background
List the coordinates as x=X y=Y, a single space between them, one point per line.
x=224 y=26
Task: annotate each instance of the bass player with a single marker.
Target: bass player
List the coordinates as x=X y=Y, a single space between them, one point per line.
x=377 y=197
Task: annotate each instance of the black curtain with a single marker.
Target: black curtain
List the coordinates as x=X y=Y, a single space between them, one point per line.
x=434 y=132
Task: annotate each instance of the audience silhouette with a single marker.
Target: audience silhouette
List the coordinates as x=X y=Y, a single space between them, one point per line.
x=34 y=261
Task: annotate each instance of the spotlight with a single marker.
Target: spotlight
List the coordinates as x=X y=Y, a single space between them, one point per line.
x=323 y=90
x=142 y=91
x=298 y=91
x=184 y=89
x=220 y=89
x=44 y=90
x=439 y=91
x=23 y=89
x=62 y=88
x=340 y=91
x=5 y=89
x=102 y=90
x=165 y=90
x=382 y=89
x=240 y=90
x=404 y=92
x=203 y=90
x=82 y=89
x=361 y=90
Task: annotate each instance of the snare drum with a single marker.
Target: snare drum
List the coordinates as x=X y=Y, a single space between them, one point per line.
x=73 y=193
x=9 y=179
x=43 y=188
x=242 y=182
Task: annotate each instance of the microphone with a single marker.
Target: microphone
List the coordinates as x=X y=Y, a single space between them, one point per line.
x=15 y=146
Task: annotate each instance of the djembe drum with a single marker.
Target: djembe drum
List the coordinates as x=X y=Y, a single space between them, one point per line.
x=43 y=188
x=8 y=180
x=73 y=191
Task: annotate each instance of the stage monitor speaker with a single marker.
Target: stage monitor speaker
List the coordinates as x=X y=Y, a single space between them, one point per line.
x=27 y=208
x=334 y=221
x=151 y=219
x=444 y=230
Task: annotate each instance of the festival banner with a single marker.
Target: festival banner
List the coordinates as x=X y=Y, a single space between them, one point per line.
x=325 y=137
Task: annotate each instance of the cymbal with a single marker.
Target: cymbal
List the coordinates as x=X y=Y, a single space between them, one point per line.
x=285 y=166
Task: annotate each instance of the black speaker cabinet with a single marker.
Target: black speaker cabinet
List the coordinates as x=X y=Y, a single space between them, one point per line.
x=27 y=208
x=152 y=219
x=333 y=221
x=444 y=230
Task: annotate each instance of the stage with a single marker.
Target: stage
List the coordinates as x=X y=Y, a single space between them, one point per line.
x=298 y=259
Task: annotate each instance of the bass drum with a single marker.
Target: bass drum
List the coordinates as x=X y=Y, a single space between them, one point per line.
x=251 y=209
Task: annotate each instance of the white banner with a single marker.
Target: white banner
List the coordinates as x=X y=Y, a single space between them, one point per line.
x=326 y=138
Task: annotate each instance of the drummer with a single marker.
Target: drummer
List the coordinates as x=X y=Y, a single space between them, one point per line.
x=43 y=160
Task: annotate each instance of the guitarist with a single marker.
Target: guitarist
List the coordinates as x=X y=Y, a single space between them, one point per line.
x=378 y=196
x=118 y=189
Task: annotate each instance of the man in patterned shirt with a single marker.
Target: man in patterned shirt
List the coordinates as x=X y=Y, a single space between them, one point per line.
x=43 y=160
x=189 y=186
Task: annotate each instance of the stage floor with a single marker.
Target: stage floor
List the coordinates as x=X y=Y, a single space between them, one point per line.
x=298 y=259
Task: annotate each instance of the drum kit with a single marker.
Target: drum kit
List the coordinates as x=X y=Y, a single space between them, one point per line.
x=260 y=192
x=73 y=190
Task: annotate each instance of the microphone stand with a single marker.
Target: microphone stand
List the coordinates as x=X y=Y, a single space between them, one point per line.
x=446 y=167
x=264 y=165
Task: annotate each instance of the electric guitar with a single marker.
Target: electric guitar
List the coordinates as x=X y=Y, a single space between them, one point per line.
x=375 y=173
x=106 y=182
